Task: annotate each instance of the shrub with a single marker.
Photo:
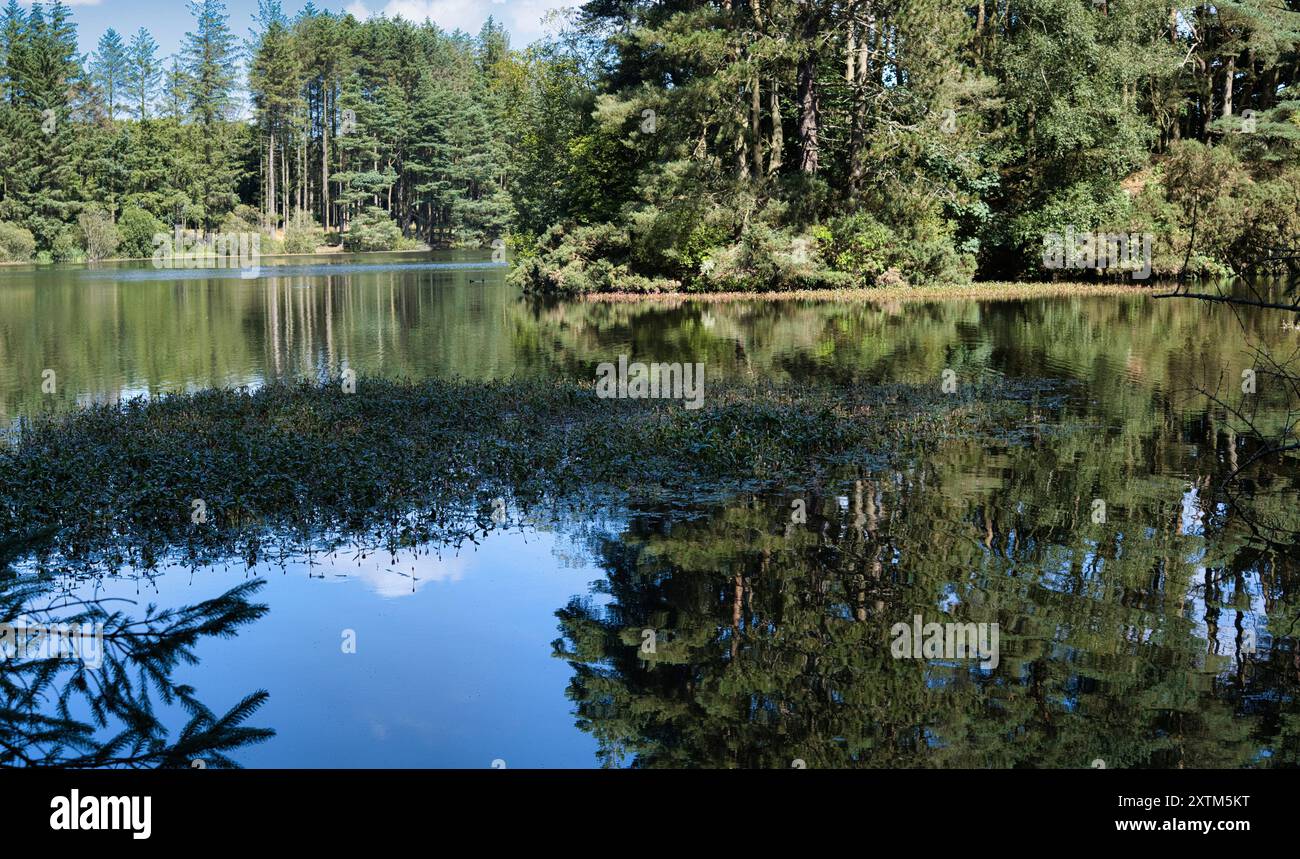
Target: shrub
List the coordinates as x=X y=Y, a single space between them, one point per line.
x=409 y=243
x=372 y=230
x=243 y=219
x=858 y=245
x=866 y=252
x=572 y=260
x=66 y=246
x=768 y=259
x=672 y=237
x=17 y=244
x=137 y=229
x=303 y=235
x=99 y=236
x=1089 y=206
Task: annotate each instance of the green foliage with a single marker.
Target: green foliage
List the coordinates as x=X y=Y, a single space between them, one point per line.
x=567 y=165
x=67 y=246
x=948 y=148
x=768 y=259
x=137 y=229
x=869 y=253
x=372 y=230
x=922 y=139
x=573 y=260
x=17 y=244
x=125 y=696
x=303 y=236
x=772 y=645
x=241 y=219
x=857 y=244
x=109 y=70
x=275 y=465
x=143 y=74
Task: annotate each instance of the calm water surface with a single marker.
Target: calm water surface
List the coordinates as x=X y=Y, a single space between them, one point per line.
x=1160 y=634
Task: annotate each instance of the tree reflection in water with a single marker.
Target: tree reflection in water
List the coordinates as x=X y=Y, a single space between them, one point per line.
x=112 y=712
x=1163 y=636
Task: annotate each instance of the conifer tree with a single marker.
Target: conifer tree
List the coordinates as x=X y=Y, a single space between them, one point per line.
x=143 y=74
x=209 y=61
x=109 y=69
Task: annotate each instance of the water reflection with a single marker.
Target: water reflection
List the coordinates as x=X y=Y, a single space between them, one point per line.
x=1162 y=637
x=87 y=684
x=110 y=335
x=1161 y=634
x=451 y=665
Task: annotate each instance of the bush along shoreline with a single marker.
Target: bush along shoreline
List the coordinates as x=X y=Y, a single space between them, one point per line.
x=239 y=473
x=849 y=255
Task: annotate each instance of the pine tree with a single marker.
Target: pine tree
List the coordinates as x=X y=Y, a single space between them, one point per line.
x=209 y=56
x=108 y=70
x=18 y=166
x=13 y=25
x=42 y=69
x=177 y=90
x=274 y=79
x=143 y=74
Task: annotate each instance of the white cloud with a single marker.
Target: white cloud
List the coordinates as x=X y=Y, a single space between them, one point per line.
x=392 y=583
x=522 y=18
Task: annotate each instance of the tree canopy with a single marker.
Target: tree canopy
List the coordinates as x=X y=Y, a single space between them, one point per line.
x=654 y=146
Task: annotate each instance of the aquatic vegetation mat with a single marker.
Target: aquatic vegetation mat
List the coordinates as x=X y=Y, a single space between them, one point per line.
x=223 y=472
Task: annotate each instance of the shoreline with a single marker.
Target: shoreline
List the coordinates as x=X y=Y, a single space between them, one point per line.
x=332 y=251
x=984 y=291
x=990 y=291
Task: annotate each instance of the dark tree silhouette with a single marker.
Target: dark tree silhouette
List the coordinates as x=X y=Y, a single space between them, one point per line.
x=60 y=712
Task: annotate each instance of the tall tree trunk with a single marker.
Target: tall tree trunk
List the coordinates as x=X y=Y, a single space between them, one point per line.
x=284 y=180
x=325 y=155
x=270 y=182
x=739 y=148
x=861 y=65
x=738 y=122
x=302 y=171
x=1229 y=73
x=776 y=143
x=851 y=44
x=808 y=94
x=809 y=129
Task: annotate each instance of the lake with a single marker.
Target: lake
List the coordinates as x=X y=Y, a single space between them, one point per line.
x=1152 y=629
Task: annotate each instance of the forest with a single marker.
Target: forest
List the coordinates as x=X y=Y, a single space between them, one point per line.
x=674 y=146
x=376 y=136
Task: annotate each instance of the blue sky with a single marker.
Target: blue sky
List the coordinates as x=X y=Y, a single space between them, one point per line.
x=168 y=20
